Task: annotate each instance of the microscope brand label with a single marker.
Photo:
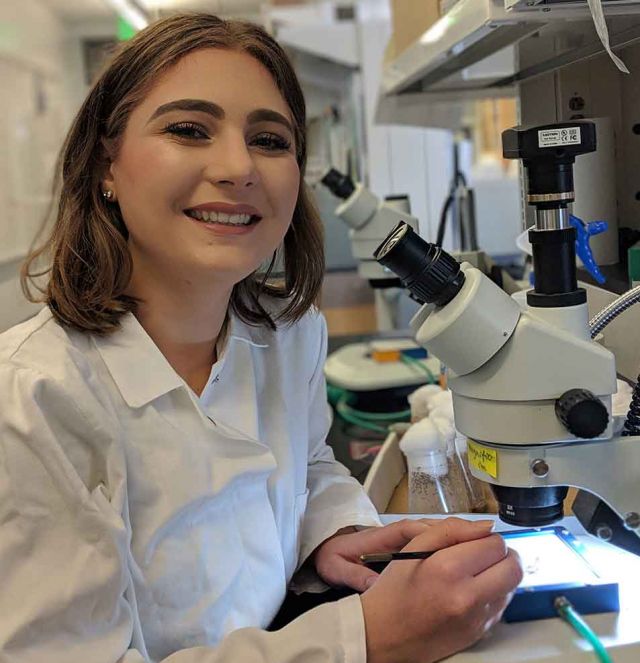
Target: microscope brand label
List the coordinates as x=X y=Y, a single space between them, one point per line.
x=483 y=458
x=555 y=137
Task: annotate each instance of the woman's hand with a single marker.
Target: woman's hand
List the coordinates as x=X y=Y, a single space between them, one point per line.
x=337 y=560
x=430 y=609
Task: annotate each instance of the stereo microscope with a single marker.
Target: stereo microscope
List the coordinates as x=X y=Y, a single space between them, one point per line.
x=531 y=387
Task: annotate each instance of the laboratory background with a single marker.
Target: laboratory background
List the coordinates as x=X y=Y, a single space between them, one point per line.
x=476 y=165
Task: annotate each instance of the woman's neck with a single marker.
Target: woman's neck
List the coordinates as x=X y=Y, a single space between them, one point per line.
x=185 y=325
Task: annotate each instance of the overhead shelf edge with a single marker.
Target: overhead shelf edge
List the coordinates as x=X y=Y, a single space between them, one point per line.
x=475 y=29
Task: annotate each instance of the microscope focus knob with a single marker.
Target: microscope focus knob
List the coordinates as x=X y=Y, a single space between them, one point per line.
x=582 y=414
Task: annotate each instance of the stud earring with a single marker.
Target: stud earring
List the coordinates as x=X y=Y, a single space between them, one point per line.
x=108 y=194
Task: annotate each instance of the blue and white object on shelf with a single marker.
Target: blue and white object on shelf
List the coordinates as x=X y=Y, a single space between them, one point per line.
x=584 y=232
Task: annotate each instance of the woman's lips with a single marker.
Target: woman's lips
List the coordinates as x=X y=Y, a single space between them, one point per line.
x=225 y=229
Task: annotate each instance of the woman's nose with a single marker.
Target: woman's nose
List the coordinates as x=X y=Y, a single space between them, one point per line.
x=232 y=164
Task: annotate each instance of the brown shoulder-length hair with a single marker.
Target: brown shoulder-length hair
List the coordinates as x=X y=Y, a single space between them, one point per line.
x=88 y=262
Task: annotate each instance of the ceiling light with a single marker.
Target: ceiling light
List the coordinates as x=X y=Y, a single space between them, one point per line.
x=436 y=31
x=130 y=12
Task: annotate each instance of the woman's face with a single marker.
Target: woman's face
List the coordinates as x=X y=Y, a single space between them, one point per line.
x=206 y=176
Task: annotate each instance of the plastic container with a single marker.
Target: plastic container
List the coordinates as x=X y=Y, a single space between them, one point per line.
x=442 y=417
x=437 y=404
x=433 y=488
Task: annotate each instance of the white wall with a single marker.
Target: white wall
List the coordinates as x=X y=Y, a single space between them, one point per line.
x=32 y=107
x=402 y=160
x=399 y=159
x=42 y=82
x=76 y=32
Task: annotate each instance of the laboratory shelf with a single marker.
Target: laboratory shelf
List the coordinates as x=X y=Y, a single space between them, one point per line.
x=449 y=56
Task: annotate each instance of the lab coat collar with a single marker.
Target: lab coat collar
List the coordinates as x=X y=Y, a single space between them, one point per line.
x=230 y=398
x=242 y=331
x=141 y=372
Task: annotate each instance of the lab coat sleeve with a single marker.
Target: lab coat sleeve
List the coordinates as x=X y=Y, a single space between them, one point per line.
x=66 y=589
x=336 y=499
x=61 y=546
x=326 y=634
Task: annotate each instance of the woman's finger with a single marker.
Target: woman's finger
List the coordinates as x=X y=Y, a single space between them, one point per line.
x=500 y=579
x=390 y=538
x=449 y=532
x=350 y=574
x=398 y=534
x=474 y=557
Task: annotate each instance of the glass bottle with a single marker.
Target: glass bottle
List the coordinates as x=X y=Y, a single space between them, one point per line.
x=443 y=420
x=431 y=489
x=475 y=487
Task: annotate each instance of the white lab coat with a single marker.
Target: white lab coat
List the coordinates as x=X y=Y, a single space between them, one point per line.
x=140 y=522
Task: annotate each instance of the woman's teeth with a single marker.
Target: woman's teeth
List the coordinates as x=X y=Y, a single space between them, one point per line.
x=220 y=217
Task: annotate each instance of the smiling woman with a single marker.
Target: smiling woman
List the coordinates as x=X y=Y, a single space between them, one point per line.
x=160 y=116
x=211 y=137
x=164 y=475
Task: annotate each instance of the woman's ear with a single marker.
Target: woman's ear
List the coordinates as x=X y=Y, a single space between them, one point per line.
x=107 y=179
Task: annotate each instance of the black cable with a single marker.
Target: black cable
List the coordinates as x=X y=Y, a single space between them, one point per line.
x=461 y=226
x=471 y=220
x=442 y=226
x=458 y=176
x=632 y=422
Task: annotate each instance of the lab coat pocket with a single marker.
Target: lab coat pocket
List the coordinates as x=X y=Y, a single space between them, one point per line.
x=101 y=496
x=103 y=501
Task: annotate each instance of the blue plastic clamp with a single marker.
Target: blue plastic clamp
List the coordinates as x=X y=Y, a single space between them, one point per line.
x=584 y=231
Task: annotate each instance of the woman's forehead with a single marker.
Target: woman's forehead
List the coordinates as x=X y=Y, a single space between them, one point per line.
x=230 y=78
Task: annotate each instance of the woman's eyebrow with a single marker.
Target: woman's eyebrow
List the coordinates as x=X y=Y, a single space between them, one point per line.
x=258 y=115
x=189 y=105
x=268 y=115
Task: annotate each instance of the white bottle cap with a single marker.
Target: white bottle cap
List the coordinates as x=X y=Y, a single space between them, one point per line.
x=425 y=448
x=446 y=428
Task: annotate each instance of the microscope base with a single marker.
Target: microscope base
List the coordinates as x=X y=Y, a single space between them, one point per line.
x=603 y=522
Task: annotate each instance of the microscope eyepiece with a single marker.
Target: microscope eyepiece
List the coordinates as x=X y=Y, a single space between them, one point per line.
x=431 y=274
x=340 y=185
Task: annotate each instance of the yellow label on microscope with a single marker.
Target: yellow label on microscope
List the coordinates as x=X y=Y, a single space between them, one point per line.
x=483 y=458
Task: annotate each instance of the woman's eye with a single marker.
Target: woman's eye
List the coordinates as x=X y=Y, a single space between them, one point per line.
x=271 y=142
x=187 y=130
